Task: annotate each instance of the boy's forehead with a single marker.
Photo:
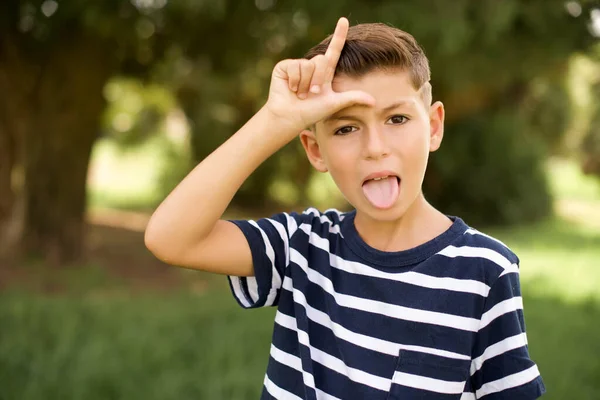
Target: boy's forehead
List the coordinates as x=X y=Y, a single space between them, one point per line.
x=385 y=86
x=379 y=81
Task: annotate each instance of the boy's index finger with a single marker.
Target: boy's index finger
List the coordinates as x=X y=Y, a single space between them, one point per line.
x=334 y=50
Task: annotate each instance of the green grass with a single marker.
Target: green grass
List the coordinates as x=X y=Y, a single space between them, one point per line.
x=124 y=347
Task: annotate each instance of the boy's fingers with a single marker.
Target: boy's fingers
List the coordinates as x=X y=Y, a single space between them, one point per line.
x=307 y=68
x=318 y=77
x=293 y=73
x=350 y=98
x=334 y=50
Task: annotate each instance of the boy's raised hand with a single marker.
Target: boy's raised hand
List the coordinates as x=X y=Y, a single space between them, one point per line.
x=301 y=93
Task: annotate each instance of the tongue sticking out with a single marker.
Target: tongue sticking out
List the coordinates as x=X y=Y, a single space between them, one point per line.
x=381 y=193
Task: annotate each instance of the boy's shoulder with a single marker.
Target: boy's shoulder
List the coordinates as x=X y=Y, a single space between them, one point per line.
x=476 y=239
x=491 y=257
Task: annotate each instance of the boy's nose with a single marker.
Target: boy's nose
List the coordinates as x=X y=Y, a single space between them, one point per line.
x=376 y=146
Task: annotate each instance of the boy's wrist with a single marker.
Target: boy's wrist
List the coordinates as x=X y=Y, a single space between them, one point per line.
x=280 y=126
x=265 y=133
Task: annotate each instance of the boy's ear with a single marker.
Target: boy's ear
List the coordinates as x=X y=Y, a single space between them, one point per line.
x=436 y=123
x=313 y=152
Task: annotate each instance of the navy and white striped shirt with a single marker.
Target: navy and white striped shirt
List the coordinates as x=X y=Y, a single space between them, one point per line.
x=443 y=320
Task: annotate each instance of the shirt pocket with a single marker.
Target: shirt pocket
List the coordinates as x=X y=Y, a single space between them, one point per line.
x=426 y=376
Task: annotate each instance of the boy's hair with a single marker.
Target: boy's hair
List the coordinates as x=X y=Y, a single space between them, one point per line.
x=376 y=46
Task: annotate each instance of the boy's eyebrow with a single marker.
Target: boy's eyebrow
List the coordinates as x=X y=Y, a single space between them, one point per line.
x=340 y=114
x=396 y=105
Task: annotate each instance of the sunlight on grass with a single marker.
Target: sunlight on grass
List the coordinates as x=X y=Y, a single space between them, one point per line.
x=567 y=182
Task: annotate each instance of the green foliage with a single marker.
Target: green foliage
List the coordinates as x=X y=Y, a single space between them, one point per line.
x=547 y=110
x=135 y=112
x=175 y=164
x=590 y=145
x=591 y=149
x=488 y=172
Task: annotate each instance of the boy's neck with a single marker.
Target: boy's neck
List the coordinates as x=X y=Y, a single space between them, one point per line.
x=419 y=224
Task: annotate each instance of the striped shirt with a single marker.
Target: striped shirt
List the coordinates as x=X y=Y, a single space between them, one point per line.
x=443 y=320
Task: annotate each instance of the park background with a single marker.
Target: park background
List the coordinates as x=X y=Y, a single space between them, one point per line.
x=105 y=105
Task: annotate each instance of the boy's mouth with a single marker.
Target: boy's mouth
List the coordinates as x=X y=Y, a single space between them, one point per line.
x=382 y=189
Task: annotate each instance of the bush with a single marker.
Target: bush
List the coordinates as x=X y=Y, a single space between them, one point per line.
x=489 y=172
x=590 y=145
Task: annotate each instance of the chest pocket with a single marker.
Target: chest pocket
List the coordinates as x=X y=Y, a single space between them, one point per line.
x=425 y=376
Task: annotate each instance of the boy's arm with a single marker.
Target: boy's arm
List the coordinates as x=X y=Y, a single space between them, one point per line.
x=186 y=229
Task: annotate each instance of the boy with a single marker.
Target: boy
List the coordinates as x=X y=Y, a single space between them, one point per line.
x=394 y=300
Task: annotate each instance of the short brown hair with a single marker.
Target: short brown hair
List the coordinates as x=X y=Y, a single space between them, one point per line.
x=376 y=46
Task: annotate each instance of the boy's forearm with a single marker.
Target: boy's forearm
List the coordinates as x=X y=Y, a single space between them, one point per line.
x=193 y=208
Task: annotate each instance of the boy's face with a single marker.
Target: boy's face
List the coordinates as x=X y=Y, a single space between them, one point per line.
x=392 y=138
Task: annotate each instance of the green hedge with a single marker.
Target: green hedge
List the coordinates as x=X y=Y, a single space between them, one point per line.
x=489 y=171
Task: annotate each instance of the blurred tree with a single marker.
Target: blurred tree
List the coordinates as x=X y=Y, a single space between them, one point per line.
x=590 y=145
x=56 y=57
x=591 y=150
x=547 y=109
x=52 y=71
x=490 y=166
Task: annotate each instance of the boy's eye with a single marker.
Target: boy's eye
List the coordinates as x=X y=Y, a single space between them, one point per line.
x=397 y=119
x=344 y=130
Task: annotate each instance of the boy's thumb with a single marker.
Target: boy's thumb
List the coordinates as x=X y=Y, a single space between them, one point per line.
x=352 y=98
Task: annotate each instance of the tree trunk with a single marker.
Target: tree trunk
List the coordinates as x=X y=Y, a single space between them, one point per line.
x=59 y=122
x=10 y=217
x=15 y=83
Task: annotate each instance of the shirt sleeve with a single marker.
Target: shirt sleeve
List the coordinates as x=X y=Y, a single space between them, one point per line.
x=501 y=366
x=269 y=240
